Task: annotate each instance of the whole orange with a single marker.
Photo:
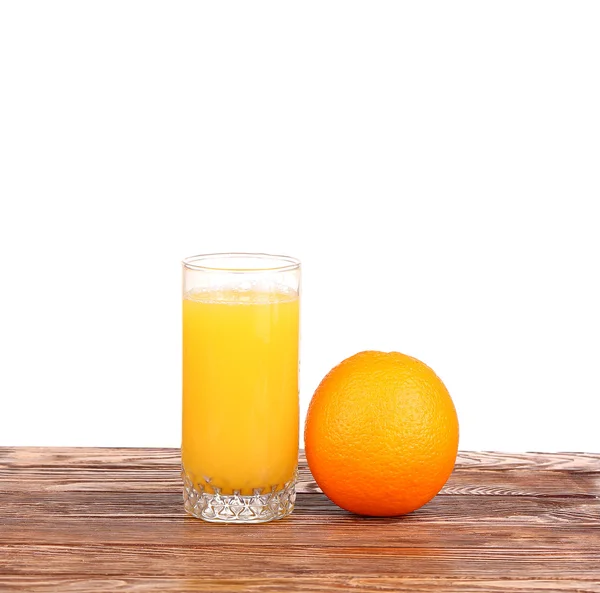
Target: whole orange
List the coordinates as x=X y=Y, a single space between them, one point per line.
x=381 y=434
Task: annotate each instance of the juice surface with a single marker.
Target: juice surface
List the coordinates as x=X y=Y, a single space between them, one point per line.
x=240 y=388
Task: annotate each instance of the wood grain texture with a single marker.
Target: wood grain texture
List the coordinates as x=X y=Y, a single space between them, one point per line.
x=333 y=584
x=84 y=520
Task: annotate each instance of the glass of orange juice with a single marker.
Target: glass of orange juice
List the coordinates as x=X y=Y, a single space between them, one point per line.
x=240 y=386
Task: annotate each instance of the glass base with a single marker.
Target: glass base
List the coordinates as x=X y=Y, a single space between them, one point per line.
x=260 y=507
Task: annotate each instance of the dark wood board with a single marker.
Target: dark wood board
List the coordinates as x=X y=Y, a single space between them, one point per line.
x=84 y=520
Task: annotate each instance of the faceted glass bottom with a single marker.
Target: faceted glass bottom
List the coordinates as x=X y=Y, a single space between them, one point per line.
x=260 y=507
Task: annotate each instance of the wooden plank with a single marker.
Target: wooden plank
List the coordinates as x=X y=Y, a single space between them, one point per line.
x=571 y=462
x=131 y=458
x=99 y=470
x=301 y=584
x=227 y=561
x=534 y=523
x=91 y=457
x=484 y=483
x=495 y=511
x=522 y=483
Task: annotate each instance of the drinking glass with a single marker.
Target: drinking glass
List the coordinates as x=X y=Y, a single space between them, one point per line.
x=240 y=386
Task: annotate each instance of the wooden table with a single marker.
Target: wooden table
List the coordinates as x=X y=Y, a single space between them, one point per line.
x=83 y=520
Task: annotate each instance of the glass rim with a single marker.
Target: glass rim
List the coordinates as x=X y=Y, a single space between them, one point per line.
x=273 y=263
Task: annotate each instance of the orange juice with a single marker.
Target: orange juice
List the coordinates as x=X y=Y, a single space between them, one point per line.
x=240 y=389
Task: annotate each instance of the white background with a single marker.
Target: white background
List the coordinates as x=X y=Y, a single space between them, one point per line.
x=435 y=166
